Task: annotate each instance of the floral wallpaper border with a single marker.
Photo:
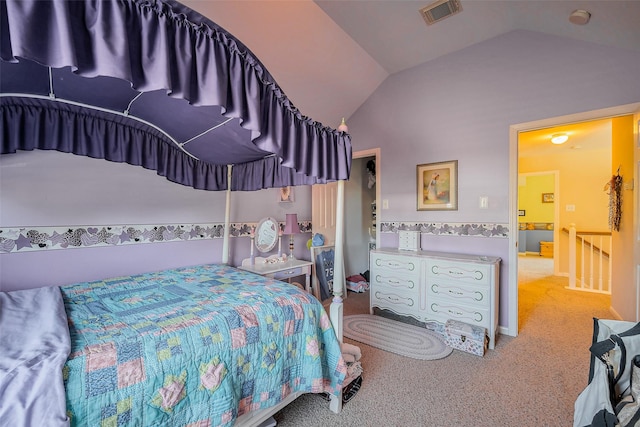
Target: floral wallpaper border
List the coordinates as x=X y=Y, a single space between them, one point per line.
x=448 y=228
x=25 y=239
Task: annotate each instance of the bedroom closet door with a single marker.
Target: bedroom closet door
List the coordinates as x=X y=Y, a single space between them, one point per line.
x=323 y=211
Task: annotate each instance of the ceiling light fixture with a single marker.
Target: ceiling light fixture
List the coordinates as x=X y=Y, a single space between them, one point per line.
x=559 y=138
x=579 y=17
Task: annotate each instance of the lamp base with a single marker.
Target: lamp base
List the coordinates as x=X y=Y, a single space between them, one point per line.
x=291 y=255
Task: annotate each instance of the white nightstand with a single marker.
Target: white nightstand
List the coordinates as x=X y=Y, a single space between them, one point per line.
x=286 y=271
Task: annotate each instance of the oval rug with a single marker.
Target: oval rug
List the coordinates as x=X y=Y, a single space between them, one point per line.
x=396 y=337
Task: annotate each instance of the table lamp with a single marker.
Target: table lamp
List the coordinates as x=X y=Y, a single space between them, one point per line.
x=291 y=227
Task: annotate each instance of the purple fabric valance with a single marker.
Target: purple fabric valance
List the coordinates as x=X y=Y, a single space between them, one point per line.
x=125 y=57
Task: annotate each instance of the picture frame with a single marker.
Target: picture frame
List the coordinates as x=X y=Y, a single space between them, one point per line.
x=522 y=212
x=285 y=194
x=547 y=197
x=437 y=186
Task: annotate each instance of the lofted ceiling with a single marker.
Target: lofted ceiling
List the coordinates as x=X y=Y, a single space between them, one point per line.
x=329 y=56
x=395 y=35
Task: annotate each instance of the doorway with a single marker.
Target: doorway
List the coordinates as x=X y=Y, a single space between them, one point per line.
x=516 y=131
x=323 y=207
x=537 y=222
x=361 y=212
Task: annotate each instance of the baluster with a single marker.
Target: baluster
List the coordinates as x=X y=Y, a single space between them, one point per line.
x=582 y=262
x=609 y=264
x=591 y=262
x=600 y=267
x=572 y=256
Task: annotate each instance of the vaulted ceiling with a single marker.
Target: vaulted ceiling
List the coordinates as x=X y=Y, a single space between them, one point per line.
x=329 y=56
x=396 y=36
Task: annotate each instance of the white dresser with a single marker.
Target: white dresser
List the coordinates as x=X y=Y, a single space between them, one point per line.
x=437 y=286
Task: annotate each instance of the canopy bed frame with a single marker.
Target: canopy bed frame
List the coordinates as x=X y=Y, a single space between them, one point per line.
x=155 y=84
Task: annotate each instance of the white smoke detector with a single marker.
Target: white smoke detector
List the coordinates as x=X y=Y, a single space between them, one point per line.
x=579 y=17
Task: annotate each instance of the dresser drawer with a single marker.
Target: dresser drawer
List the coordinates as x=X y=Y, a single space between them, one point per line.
x=289 y=273
x=443 y=310
x=395 y=301
x=460 y=293
x=394 y=280
x=397 y=264
x=464 y=273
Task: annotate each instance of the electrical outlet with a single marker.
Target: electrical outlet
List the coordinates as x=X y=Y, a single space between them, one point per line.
x=570 y=208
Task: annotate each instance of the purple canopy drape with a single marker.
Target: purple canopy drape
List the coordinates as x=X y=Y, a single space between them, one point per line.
x=154 y=84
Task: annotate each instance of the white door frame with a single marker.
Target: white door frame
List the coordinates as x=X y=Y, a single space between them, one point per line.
x=374 y=152
x=621 y=110
x=636 y=203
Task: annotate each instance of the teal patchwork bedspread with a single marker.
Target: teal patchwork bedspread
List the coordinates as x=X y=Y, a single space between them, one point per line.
x=196 y=346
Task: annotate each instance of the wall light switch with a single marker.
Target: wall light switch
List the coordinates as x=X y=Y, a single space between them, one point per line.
x=484 y=202
x=385 y=203
x=571 y=208
x=628 y=185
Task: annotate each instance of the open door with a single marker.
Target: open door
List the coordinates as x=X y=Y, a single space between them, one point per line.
x=323 y=211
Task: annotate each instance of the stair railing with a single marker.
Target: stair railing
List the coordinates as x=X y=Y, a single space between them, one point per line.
x=589 y=251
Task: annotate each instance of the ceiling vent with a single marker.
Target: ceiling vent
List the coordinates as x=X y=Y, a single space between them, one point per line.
x=439 y=10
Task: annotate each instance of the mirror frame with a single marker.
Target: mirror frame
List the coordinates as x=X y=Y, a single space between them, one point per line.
x=266 y=235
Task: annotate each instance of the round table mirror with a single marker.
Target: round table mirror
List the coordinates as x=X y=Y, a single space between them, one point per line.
x=266 y=234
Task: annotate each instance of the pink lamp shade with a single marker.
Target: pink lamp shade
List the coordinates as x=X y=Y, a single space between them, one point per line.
x=291 y=224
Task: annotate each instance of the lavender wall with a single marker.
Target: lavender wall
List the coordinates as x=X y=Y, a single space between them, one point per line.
x=42 y=188
x=460 y=107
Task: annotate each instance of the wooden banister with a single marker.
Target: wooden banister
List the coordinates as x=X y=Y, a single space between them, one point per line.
x=591 y=233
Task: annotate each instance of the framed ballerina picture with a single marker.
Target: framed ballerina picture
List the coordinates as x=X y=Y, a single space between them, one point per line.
x=437 y=186
x=285 y=195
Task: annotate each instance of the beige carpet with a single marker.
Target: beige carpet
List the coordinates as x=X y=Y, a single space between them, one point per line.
x=531 y=380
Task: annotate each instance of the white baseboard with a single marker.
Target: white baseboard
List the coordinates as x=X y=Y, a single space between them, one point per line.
x=615 y=313
x=502 y=330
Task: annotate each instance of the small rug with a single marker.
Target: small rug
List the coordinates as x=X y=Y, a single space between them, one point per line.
x=396 y=337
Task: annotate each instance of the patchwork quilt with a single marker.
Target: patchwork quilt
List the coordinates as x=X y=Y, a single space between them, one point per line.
x=195 y=346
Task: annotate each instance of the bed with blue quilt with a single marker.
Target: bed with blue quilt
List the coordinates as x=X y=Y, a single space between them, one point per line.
x=193 y=346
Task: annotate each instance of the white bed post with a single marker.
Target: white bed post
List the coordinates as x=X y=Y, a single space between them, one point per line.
x=336 y=310
x=227 y=219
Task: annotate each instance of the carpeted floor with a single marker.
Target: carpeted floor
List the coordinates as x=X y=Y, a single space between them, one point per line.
x=531 y=380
